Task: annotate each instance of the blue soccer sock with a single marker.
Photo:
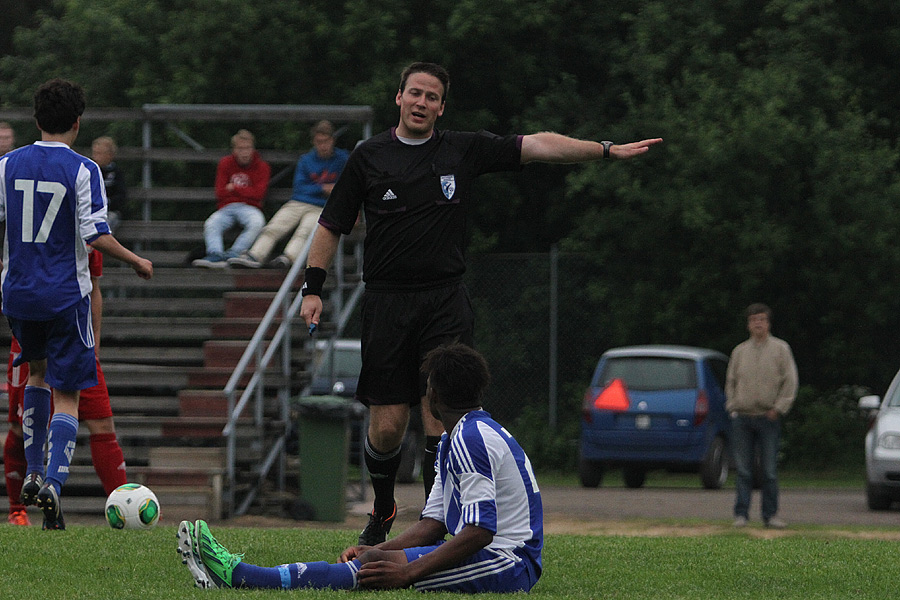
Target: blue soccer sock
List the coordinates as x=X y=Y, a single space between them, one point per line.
x=63 y=429
x=35 y=414
x=339 y=576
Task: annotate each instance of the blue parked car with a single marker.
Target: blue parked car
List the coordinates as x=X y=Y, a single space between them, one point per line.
x=656 y=407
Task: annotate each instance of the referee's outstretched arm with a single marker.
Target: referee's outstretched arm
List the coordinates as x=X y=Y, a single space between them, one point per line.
x=557 y=148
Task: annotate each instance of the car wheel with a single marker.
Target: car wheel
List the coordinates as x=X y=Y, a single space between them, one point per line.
x=590 y=472
x=714 y=470
x=876 y=499
x=634 y=476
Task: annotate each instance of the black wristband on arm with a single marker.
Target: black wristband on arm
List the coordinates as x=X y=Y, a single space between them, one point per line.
x=313 y=281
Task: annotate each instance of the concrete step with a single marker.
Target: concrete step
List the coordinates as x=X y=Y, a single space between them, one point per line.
x=261 y=279
x=218 y=377
x=214 y=403
x=156 y=330
x=167 y=281
x=165 y=258
x=162 y=379
x=156 y=232
x=144 y=405
x=225 y=353
x=203 y=403
x=181 y=457
x=181 y=306
x=242 y=328
x=209 y=428
x=247 y=304
x=151 y=355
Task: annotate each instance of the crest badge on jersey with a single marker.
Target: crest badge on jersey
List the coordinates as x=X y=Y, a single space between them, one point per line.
x=448 y=185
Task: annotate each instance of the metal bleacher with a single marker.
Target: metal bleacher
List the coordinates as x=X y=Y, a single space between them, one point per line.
x=169 y=346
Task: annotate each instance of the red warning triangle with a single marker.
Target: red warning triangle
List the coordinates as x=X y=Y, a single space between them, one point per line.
x=613 y=397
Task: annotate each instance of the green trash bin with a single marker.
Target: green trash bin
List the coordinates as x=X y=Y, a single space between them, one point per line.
x=324 y=445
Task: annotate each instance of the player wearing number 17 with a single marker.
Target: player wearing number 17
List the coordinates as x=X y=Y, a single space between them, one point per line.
x=53 y=201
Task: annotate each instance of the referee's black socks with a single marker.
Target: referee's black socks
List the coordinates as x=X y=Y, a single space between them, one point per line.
x=383 y=473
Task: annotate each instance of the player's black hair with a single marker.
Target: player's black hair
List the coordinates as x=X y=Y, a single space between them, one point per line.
x=57 y=105
x=432 y=69
x=457 y=374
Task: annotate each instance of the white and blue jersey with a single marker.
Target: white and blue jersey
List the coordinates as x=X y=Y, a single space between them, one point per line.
x=52 y=201
x=484 y=478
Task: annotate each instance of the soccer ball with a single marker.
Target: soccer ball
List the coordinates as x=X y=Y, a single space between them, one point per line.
x=132 y=506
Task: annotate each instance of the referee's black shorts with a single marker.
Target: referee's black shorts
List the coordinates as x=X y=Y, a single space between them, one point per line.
x=398 y=330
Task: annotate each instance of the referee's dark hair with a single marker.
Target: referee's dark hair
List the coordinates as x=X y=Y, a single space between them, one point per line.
x=428 y=68
x=57 y=105
x=457 y=374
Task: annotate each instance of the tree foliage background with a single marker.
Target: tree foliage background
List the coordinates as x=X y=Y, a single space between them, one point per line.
x=777 y=181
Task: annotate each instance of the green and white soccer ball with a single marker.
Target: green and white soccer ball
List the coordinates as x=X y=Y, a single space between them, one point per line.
x=132 y=506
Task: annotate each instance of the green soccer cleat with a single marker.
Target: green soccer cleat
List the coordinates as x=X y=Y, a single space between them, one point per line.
x=209 y=562
x=189 y=552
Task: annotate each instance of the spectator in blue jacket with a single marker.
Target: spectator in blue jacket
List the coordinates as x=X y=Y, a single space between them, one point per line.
x=316 y=173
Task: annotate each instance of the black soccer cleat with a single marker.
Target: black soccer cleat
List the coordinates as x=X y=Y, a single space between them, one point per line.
x=48 y=502
x=30 y=489
x=59 y=524
x=377 y=529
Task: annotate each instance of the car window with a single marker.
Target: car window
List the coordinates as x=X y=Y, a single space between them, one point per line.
x=894 y=400
x=650 y=373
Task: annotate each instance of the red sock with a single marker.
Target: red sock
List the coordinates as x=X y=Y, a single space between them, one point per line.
x=109 y=462
x=14 y=465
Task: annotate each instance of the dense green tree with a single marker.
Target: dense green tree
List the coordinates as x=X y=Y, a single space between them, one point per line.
x=777 y=180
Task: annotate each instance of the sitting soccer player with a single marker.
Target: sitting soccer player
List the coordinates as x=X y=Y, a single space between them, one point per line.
x=485 y=496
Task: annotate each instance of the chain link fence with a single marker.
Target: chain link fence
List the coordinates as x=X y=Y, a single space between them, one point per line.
x=539 y=324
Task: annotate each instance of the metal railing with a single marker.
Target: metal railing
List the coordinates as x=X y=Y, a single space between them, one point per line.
x=281 y=345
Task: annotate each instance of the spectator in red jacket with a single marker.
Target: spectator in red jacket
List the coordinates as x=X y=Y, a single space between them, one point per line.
x=242 y=180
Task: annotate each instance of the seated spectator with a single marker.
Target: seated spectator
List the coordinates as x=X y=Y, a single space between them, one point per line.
x=242 y=180
x=103 y=152
x=316 y=172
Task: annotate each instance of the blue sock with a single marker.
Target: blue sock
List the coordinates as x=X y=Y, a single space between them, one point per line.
x=63 y=429
x=35 y=414
x=339 y=576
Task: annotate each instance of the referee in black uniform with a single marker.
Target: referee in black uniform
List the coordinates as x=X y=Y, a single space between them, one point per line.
x=415 y=185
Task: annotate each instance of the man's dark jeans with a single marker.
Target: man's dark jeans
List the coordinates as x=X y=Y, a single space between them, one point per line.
x=747 y=434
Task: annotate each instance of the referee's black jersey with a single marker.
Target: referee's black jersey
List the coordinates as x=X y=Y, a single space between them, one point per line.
x=415 y=200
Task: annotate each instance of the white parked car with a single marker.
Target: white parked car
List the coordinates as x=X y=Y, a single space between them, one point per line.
x=883 y=447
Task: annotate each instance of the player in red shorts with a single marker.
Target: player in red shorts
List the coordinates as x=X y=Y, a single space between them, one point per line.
x=93 y=410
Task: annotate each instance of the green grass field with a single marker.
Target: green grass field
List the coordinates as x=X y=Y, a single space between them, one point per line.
x=97 y=562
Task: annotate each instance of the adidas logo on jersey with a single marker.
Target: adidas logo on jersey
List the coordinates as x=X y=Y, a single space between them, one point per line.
x=389 y=195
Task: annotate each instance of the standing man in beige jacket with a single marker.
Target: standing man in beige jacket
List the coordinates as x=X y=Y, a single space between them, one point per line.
x=760 y=386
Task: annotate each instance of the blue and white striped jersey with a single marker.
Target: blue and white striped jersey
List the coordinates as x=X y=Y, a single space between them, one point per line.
x=485 y=479
x=52 y=201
